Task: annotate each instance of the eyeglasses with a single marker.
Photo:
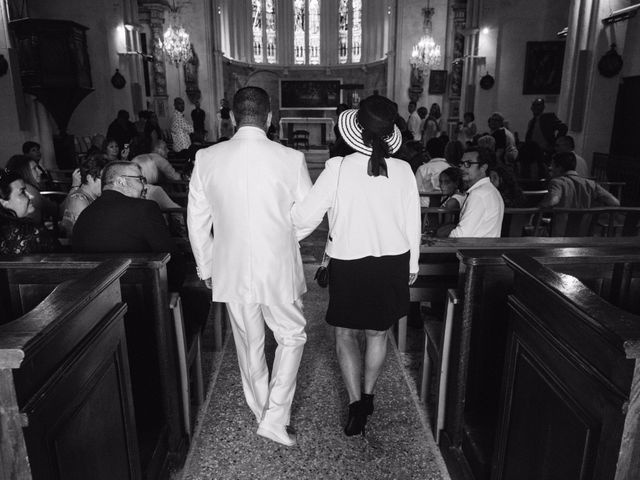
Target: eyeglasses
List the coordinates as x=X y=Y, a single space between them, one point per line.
x=142 y=178
x=467 y=164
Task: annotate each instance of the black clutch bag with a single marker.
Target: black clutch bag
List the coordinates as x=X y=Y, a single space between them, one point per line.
x=322 y=276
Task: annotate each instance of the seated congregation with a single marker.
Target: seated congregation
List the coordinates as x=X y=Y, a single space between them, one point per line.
x=485 y=305
x=503 y=253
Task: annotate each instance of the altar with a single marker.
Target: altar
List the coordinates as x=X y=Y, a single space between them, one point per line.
x=319 y=134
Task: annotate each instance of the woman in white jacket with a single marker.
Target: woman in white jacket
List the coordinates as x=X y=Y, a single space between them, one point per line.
x=374 y=242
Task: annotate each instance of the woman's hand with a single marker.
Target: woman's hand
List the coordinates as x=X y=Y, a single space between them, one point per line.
x=412 y=278
x=76 y=178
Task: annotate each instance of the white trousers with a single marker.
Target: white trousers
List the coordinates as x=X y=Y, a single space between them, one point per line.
x=270 y=402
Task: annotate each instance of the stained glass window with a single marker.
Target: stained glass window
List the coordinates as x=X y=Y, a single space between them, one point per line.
x=306 y=32
x=257 y=30
x=299 y=43
x=356 y=31
x=270 y=15
x=349 y=31
x=264 y=31
x=314 y=32
x=343 y=31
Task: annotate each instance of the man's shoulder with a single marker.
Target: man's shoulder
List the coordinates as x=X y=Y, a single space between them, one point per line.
x=273 y=149
x=563 y=180
x=484 y=189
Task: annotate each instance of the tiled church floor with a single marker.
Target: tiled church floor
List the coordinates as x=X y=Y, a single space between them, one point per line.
x=397 y=445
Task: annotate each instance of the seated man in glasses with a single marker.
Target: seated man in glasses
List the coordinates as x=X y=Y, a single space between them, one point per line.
x=482 y=212
x=122 y=221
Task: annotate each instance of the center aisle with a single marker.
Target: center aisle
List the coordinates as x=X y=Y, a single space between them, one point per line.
x=397 y=443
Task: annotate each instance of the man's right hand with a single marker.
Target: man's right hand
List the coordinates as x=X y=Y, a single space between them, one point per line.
x=208 y=283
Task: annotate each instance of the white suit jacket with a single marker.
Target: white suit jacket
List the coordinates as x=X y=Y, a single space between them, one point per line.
x=244 y=188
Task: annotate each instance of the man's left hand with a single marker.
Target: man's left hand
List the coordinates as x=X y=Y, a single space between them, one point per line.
x=412 y=278
x=208 y=283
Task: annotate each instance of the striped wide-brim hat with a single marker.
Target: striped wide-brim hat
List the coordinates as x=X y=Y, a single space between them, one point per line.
x=377 y=114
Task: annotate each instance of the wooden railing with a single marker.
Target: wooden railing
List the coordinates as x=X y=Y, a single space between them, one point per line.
x=557 y=222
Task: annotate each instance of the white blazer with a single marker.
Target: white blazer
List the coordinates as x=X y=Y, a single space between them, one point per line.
x=244 y=188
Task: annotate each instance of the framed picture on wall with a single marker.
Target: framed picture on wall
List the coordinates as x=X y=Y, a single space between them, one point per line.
x=310 y=94
x=437 y=82
x=543 y=68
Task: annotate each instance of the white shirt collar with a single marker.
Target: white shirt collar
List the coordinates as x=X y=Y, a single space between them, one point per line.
x=479 y=183
x=250 y=130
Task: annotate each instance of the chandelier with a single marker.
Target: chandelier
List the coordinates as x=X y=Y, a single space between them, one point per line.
x=176 y=45
x=426 y=53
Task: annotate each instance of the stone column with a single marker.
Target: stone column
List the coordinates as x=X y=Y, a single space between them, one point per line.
x=153 y=14
x=455 y=85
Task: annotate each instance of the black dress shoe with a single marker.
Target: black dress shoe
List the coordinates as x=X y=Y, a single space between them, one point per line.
x=367 y=403
x=357 y=419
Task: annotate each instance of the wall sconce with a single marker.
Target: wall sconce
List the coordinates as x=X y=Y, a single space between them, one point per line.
x=131 y=44
x=131 y=39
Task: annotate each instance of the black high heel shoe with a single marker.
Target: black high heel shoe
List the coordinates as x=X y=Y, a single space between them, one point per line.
x=357 y=419
x=367 y=403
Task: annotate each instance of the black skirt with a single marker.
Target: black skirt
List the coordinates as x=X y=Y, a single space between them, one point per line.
x=368 y=293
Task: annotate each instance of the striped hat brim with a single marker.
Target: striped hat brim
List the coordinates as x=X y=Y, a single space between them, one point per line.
x=351 y=132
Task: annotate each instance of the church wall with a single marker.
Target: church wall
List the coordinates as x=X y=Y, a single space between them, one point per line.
x=631 y=52
x=511 y=24
x=105 y=38
x=589 y=36
x=197 y=20
x=409 y=30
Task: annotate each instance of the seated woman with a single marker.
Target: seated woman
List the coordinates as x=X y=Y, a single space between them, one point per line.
x=505 y=181
x=452 y=199
x=27 y=169
x=32 y=150
x=19 y=236
x=90 y=188
x=111 y=149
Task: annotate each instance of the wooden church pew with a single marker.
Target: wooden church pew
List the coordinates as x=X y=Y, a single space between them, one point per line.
x=151 y=341
x=478 y=335
x=570 y=397
x=439 y=265
x=65 y=391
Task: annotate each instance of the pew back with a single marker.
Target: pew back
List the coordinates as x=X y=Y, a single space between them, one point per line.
x=64 y=369
x=26 y=280
x=556 y=222
x=573 y=356
x=478 y=339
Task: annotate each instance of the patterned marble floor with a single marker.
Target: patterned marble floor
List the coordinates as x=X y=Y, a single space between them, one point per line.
x=398 y=444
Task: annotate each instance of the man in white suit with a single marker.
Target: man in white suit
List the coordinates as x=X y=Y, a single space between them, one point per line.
x=244 y=188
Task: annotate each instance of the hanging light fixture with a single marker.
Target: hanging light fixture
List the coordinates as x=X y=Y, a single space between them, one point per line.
x=176 y=43
x=426 y=53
